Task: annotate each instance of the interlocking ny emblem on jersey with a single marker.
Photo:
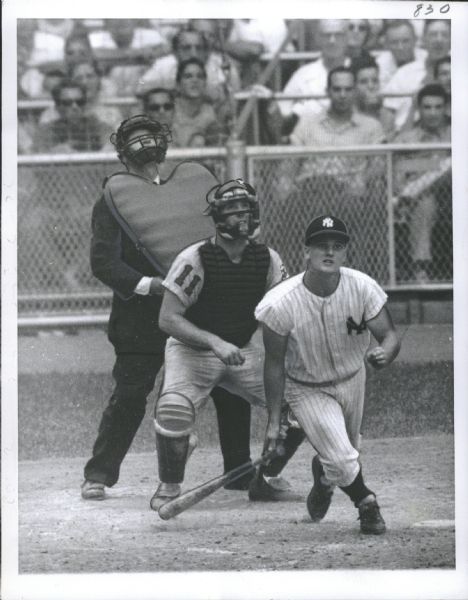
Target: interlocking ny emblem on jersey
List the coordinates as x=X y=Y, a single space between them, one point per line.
x=353 y=326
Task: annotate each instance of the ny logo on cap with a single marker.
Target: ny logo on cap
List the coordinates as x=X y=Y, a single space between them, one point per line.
x=327 y=222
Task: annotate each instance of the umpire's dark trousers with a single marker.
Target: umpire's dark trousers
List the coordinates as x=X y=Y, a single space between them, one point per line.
x=134 y=375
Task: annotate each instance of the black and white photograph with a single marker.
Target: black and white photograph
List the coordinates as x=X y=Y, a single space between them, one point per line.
x=234 y=340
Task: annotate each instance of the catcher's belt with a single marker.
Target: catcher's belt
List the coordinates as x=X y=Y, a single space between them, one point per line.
x=162 y=219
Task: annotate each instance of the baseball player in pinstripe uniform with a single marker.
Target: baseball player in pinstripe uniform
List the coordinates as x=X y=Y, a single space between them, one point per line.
x=316 y=331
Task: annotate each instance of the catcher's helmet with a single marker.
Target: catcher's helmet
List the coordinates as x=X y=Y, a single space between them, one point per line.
x=221 y=204
x=142 y=148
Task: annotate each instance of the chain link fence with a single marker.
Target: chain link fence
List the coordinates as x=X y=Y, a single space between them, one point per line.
x=397 y=203
x=55 y=202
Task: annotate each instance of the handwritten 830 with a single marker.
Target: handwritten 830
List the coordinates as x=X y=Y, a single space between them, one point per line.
x=423 y=10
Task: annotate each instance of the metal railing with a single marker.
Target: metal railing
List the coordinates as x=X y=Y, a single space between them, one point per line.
x=367 y=186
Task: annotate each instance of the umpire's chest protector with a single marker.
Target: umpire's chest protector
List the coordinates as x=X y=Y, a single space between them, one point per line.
x=162 y=219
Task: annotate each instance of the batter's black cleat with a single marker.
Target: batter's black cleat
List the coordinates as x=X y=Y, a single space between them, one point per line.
x=371 y=520
x=271 y=489
x=164 y=493
x=320 y=496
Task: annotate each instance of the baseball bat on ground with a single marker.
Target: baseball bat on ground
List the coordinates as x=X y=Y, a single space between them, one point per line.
x=193 y=496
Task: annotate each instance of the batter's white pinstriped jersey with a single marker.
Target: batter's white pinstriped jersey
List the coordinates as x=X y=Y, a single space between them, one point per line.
x=328 y=337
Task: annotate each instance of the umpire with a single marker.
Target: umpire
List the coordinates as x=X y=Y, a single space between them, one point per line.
x=141 y=144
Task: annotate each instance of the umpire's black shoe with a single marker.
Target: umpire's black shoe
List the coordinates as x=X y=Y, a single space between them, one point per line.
x=371 y=520
x=320 y=496
x=273 y=489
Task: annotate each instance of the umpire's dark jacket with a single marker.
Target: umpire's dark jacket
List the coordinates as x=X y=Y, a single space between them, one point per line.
x=115 y=260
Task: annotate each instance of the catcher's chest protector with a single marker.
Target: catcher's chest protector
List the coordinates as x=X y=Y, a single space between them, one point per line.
x=231 y=292
x=162 y=219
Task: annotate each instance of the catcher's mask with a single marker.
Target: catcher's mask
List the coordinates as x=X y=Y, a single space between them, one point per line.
x=144 y=147
x=223 y=201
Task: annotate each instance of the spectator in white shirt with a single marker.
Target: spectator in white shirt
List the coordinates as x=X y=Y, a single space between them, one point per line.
x=34 y=83
x=312 y=77
x=187 y=44
x=130 y=49
x=49 y=40
x=412 y=76
x=400 y=43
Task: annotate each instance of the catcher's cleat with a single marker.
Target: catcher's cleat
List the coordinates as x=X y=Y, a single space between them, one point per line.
x=270 y=489
x=371 y=520
x=164 y=493
x=92 y=490
x=320 y=496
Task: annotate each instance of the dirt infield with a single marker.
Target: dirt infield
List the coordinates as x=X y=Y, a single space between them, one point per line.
x=413 y=477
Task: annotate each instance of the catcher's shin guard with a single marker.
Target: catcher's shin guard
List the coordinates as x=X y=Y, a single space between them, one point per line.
x=172 y=456
x=292 y=441
x=174 y=419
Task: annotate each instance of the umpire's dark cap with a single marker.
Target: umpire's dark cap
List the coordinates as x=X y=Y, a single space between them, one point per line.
x=326 y=225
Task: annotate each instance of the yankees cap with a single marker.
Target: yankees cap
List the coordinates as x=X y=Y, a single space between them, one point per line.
x=326 y=225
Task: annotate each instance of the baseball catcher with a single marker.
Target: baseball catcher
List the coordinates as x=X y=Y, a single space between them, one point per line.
x=211 y=292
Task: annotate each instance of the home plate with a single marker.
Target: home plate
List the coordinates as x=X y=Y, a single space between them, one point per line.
x=436 y=524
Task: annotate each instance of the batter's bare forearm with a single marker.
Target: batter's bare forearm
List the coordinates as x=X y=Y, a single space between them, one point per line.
x=391 y=344
x=274 y=380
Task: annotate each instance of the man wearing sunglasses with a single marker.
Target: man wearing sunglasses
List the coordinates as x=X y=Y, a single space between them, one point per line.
x=74 y=130
x=158 y=103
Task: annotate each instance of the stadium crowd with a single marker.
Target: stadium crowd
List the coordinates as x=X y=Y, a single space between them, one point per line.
x=353 y=82
x=114 y=63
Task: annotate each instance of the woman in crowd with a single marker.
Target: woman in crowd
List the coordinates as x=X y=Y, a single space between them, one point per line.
x=195 y=122
x=357 y=38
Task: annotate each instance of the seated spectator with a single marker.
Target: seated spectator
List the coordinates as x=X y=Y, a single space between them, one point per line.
x=441 y=75
x=412 y=76
x=312 y=77
x=77 y=49
x=48 y=40
x=341 y=184
x=423 y=178
x=368 y=95
x=357 y=38
x=340 y=124
x=159 y=104
x=400 y=49
x=129 y=49
x=195 y=123
x=97 y=89
x=168 y=28
x=74 y=130
x=193 y=44
x=248 y=39
x=34 y=82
